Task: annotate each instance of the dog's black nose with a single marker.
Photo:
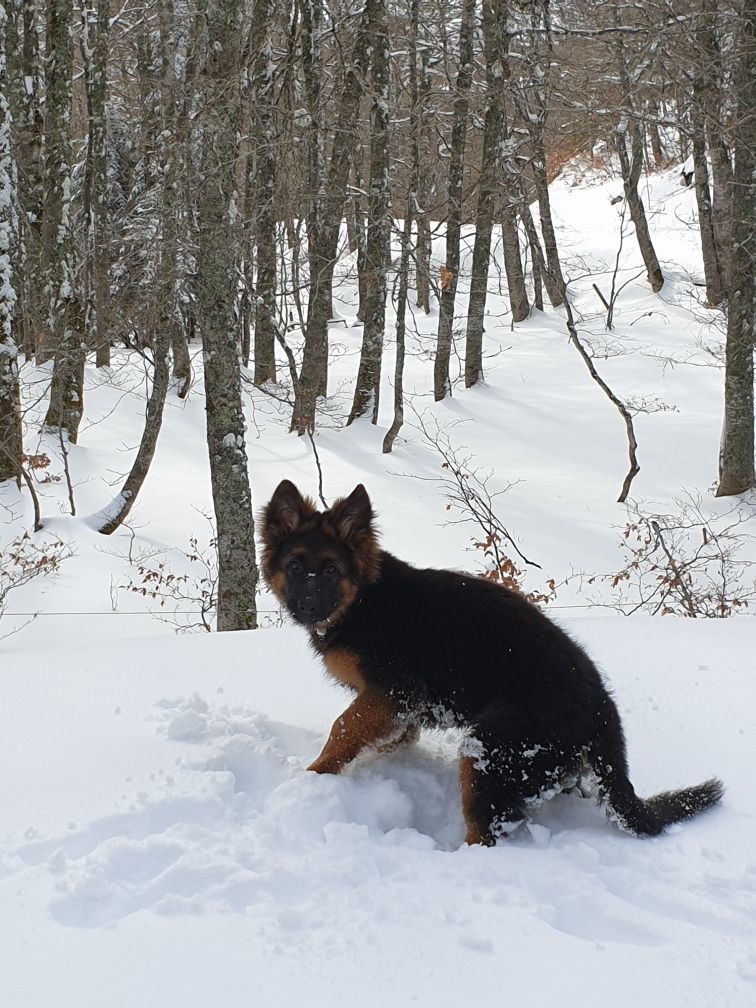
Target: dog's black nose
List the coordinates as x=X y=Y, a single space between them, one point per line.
x=307 y=606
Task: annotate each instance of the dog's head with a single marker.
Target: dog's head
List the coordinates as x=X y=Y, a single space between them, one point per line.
x=316 y=562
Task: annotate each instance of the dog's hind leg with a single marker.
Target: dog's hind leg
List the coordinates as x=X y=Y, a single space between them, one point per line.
x=372 y=721
x=489 y=801
x=504 y=769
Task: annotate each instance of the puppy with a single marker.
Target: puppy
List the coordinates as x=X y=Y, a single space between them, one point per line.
x=435 y=648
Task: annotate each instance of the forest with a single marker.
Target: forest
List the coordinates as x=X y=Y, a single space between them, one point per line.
x=183 y=184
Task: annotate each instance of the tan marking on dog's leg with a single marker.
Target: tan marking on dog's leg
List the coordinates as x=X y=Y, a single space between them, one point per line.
x=369 y=722
x=343 y=665
x=477 y=833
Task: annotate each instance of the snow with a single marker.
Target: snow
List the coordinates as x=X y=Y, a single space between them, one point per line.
x=161 y=838
x=161 y=842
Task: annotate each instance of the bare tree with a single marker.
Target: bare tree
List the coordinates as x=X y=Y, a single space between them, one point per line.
x=24 y=95
x=631 y=150
x=220 y=95
x=378 y=248
x=736 y=464
x=450 y=275
x=10 y=416
x=416 y=99
x=264 y=153
x=324 y=246
x=64 y=337
x=496 y=45
x=94 y=44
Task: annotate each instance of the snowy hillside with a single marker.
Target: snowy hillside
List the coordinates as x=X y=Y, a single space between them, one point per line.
x=160 y=841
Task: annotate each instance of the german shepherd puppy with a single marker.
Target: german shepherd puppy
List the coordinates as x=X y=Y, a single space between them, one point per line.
x=439 y=648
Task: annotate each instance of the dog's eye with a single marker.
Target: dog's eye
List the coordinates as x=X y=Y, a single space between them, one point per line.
x=330 y=570
x=294 y=566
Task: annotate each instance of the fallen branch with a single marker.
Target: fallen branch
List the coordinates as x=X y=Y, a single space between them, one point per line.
x=632 y=444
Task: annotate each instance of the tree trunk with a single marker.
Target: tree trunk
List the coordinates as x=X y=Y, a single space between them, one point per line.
x=656 y=144
x=631 y=165
x=496 y=43
x=404 y=260
x=115 y=515
x=10 y=415
x=631 y=171
x=714 y=292
x=441 y=381
x=536 y=253
x=736 y=464
x=378 y=251
x=533 y=102
x=552 y=268
x=265 y=192
x=324 y=251
x=95 y=25
x=23 y=92
x=360 y=235
x=219 y=87
x=64 y=326
x=424 y=190
x=510 y=240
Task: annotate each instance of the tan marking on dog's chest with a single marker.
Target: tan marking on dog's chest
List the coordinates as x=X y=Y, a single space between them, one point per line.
x=344 y=666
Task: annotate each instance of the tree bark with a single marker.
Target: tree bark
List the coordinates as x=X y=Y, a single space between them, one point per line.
x=23 y=92
x=324 y=250
x=64 y=334
x=220 y=96
x=441 y=381
x=510 y=240
x=116 y=514
x=409 y=211
x=496 y=45
x=265 y=192
x=378 y=250
x=631 y=165
x=95 y=27
x=424 y=190
x=736 y=462
x=10 y=415
x=708 y=96
x=712 y=275
x=359 y=234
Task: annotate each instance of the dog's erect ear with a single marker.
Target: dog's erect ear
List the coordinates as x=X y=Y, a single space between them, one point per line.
x=353 y=515
x=286 y=511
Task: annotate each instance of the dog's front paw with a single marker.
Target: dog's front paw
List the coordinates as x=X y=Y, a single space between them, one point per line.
x=321 y=765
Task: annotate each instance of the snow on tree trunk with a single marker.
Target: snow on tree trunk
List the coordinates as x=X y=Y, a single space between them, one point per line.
x=216 y=282
x=95 y=24
x=10 y=416
x=64 y=337
x=23 y=91
x=736 y=462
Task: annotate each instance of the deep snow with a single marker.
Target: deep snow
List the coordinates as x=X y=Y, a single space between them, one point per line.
x=160 y=841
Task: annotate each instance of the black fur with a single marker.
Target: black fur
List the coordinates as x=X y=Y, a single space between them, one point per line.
x=452 y=648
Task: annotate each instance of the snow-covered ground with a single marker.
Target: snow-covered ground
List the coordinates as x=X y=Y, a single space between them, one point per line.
x=160 y=841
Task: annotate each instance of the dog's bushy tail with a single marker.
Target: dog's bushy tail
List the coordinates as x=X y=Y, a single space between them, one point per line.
x=649 y=816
